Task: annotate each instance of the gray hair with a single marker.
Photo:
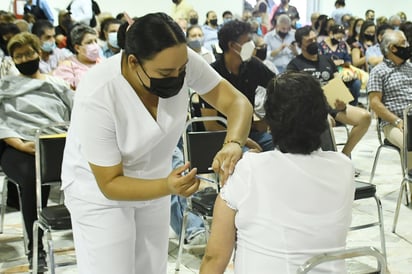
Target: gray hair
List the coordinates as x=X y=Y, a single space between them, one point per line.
x=78 y=32
x=283 y=19
x=390 y=37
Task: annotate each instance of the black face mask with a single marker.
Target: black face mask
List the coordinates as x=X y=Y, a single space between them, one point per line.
x=29 y=68
x=175 y=1
x=164 y=87
x=193 y=21
x=312 y=48
x=261 y=53
x=213 y=22
x=370 y=37
x=403 y=53
x=282 y=34
x=334 y=41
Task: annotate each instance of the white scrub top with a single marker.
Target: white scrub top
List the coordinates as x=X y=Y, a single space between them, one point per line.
x=110 y=125
x=290 y=207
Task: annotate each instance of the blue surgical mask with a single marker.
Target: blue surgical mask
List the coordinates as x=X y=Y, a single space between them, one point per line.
x=48 y=46
x=225 y=20
x=258 y=19
x=112 y=39
x=195 y=44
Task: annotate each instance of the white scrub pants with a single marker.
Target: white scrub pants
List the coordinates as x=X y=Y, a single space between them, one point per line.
x=126 y=239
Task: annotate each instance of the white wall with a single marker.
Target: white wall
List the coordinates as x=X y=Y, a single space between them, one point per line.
x=141 y=7
x=358 y=7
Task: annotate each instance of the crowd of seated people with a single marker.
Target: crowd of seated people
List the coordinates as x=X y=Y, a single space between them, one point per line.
x=275 y=42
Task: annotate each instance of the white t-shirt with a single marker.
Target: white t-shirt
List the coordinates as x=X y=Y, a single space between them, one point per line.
x=289 y=208
x=110 y=125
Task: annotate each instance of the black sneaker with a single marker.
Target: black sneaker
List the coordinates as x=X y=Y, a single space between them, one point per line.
x=41 y=263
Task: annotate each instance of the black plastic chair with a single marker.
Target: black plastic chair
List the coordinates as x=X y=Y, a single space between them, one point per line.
x=342 y=255
x=363 y=190
x=200 y=147
x=49 y=157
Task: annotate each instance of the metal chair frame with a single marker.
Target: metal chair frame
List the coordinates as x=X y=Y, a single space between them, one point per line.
x=345 y=254
x=40 y=181
x=188 y=156
x=407 y=174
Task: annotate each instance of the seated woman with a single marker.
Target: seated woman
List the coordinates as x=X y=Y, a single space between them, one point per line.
x=336 y=48
x=28 y=101
x=87 y=54
x=281 y=207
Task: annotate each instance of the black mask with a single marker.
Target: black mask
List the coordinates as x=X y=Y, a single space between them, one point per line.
x=334 y=41
x=194 y=21
x=261 y=53
x=213 y=22
x=370 y=37
x=164 y=87
x=403 y=53
x=312 y=48
x=29 y=68
x=282 y=34
x=175 y=1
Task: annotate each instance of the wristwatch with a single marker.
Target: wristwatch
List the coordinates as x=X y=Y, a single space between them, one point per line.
x=397 y=122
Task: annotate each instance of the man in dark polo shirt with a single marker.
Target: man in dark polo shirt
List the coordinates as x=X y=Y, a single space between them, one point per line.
x=244 y=71
x=322 y=68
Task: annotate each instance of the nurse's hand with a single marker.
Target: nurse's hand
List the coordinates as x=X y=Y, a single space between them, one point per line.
x=226 y=159
x=183 y=184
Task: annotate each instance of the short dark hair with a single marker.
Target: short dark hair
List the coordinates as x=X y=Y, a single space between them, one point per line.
x=365 y=25
x=231 y=32
x=296 y=112
x=367 y=11
x=300 y=33
x=152 y=33
x=340 y=3
x=40 y=27
x=226 y=12
x=121 y=34
x=104 y=26
x=192 y=27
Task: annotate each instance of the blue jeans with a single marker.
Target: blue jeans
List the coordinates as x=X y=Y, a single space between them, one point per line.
x=178 y=205
x=264 y=139
x=354 y=87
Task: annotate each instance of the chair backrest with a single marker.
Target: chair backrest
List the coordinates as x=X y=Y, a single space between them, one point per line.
x=327 y=140
x=49 y=156
x=407 y=135
x=200 y=147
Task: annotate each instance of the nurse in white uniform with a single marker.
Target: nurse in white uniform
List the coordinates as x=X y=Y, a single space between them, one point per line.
x=128 y=115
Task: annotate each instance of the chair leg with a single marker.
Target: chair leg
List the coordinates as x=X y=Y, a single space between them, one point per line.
x=25 y=236
x=398 y=205
x=52 y=264
x=181 y=240
x=35 y=255
x=3 y=204
x=375 y=163
x=381 y=226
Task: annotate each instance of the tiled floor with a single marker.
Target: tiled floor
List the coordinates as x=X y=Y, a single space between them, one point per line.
x=388 y=177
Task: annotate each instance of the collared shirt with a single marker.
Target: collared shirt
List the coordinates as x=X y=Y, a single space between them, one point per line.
x=395 y=84
x=209 y=37
x=106 y=51
x=55 y=58
x=274 y=42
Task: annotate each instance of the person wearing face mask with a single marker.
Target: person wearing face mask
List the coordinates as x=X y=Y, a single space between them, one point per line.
x=210 y=29
x=28 y=101
x=367 y=38
x=88 y=54
x=193 y=18
x=227 y=16
x=324 y=69
x=390 y=86
x=238 y=66
x=280 y=47
x=181 y=9
x=127 y=118
x=374 y=54
x=111 y=47
x=336 y=48
x=50 y=56
x=195 y=39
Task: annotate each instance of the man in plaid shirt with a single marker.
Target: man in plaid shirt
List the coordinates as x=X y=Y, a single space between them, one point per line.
x=390 y=86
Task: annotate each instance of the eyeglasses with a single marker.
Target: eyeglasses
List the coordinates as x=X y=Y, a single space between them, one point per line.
x=29 y=55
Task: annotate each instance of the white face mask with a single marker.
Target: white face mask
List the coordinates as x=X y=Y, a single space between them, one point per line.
x=247 y=51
